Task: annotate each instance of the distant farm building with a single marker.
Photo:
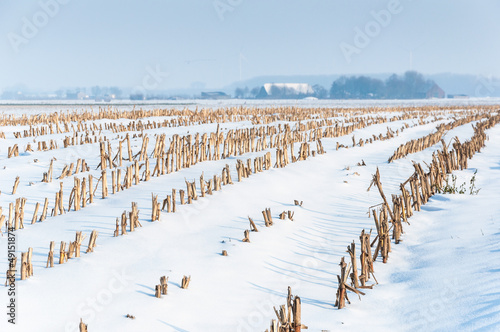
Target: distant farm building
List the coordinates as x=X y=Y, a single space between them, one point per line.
x=214 y=95
x=285 y=91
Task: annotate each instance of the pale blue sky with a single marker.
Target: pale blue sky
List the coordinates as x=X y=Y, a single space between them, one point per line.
x=116 y=42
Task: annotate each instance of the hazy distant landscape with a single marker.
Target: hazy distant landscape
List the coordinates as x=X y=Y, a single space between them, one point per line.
x=453 y=86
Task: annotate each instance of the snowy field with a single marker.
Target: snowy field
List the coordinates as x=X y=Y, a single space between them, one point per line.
x=443 y=276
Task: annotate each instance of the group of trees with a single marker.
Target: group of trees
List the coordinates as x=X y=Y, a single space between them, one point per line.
x=410 y=85
x=360 y=87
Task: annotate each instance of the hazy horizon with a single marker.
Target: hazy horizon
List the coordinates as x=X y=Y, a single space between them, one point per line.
x=50 y=44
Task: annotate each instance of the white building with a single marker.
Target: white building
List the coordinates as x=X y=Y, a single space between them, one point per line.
x=285 y=90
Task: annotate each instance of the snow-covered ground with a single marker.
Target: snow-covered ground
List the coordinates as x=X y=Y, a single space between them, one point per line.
x=443 y=276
